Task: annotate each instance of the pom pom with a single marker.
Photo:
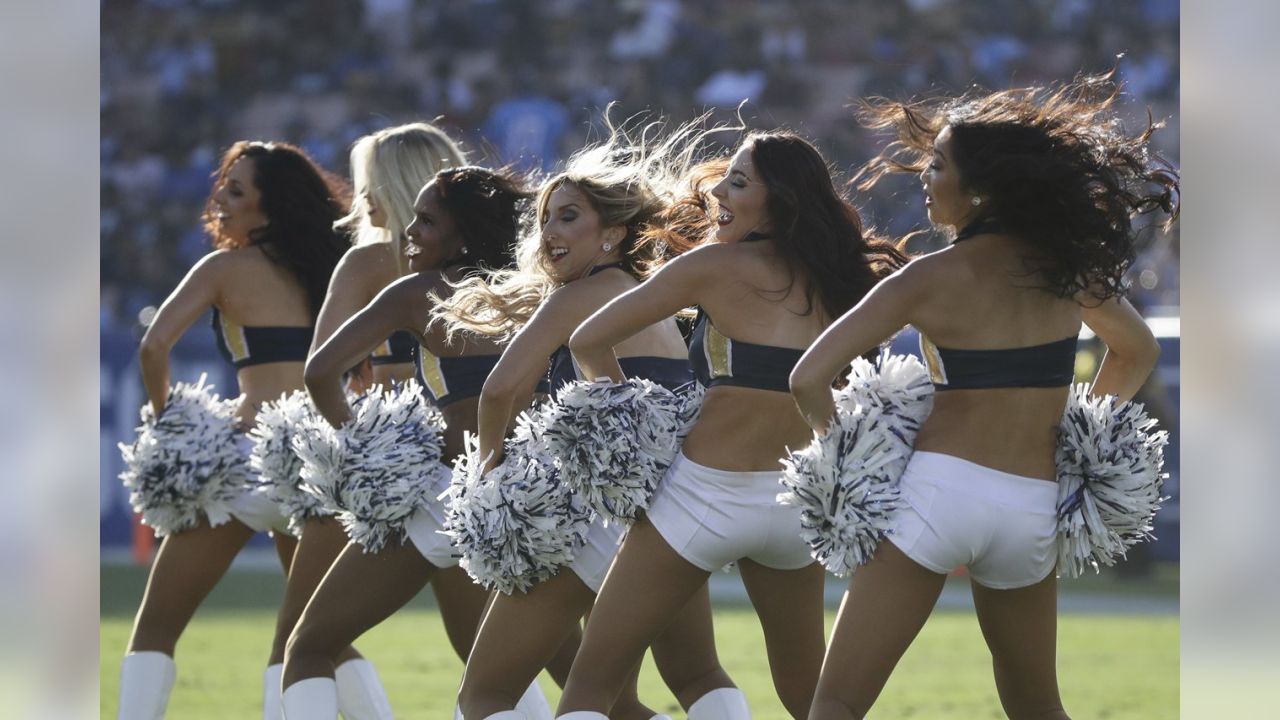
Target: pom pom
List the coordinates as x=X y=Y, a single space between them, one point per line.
x=846 y=481
x=379 y=467
x=1110 y=461
x=516 y=525
x=690 y=396
x=612 y=442
x=273 y=458
x=187 y=462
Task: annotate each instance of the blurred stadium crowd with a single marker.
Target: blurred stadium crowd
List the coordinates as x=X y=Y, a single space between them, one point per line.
x=523 y=81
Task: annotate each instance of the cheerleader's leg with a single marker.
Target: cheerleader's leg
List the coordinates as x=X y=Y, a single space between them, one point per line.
x=359 y=591
x=648 y=585
x=790 y=607
x=520 y=635
x=685 y=655
x=1020 y=627
x=187 y=567
x=888 y=601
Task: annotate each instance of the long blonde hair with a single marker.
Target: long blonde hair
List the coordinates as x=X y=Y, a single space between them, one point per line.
x=391 y=166
x=631 y=179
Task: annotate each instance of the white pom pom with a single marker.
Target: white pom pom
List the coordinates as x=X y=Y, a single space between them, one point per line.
x=187 y=462
x=379 y=467
x=1110 y=459
x=278 y=466
x=612 y=442
x=846 y=482
x=516 y=525
x=691 y=396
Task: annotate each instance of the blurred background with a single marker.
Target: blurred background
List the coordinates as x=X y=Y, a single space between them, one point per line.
x=525 y=83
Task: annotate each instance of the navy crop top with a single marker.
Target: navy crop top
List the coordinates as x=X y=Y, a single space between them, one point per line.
x=1036 y=366
x=446 y=380
x=671 y=373
x=243 y=346
x=718 y=360
x=399 y=348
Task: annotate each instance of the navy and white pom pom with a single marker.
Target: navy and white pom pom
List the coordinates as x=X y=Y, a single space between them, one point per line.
x=187 y=463
x=278 y=466
x=846 y=481
x=379 y=467
x=691 y=396
x=516 y=525
x=613 y=442
x=1110 y=460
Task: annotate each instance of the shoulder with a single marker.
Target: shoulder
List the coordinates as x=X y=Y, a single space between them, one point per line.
x=585 y=296
x=224 y=262
x=371 y=260
x=416 y=285
x=935 y=271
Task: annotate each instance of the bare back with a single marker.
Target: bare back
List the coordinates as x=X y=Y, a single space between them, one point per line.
x=253 y=291
x=744 y=429
x=981 y=296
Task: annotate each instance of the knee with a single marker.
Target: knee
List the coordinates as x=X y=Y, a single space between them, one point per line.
x=797 y=700
x=832 y=705
x=307 y=640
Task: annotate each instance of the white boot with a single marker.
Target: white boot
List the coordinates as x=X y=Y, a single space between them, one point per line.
x=311 y=699
x=271 y=707
x=721 y=704
x=360 y=692
x=583 y=715
x=507 y=715
x=146 y=679
x=534 y=704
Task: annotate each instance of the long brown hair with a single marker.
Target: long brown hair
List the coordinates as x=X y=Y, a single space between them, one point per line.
x=1054 y=166
x=301 y=202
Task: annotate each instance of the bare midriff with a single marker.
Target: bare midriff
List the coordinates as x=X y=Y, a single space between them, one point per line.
x=744 y=430
x=1013 y=430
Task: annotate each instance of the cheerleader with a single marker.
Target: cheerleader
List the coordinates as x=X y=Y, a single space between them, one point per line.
x=463 y=222
x=388 y=168
x=788 y=255
x=271 y=219
x=597 y=221
x=1040 y=186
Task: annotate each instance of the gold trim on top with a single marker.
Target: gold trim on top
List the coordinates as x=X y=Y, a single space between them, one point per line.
x=432 y=375
x=719 y=352
x=233 y=336
x=933 y=361
x=383 y=350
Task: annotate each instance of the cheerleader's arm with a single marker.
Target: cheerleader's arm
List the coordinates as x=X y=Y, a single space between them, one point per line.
x=197 y=292
x=886 y=309
x=1132 y=349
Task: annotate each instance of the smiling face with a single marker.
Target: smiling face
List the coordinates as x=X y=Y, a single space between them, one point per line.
x=431 y=239
x=741 y=200
x=945 y=199
x=573 y=237
x=237 y=207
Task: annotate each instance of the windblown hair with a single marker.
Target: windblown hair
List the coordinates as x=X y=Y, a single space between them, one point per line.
x=301 y=202
x=819 y=234
x=1056 y=164
x=487 y=207
x=390 y=167
x=630 y=181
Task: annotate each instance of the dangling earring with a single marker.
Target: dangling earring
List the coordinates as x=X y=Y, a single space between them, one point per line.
x=976 y=201
x=606 y=247
x=463 y=251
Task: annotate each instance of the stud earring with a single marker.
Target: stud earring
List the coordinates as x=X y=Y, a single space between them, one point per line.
x=606 y=247
x=976 y=201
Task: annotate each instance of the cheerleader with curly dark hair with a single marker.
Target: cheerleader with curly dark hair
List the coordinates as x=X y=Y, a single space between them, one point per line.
x=1041 y=187
x=271 y=217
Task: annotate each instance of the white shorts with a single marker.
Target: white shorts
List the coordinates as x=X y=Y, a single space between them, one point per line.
x=1001 y=526
x=252 y=506
x=593 y=559
x=714 y=517
x=425 y=528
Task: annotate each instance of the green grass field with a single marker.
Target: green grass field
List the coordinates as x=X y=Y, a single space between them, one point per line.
x=1111 y=666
